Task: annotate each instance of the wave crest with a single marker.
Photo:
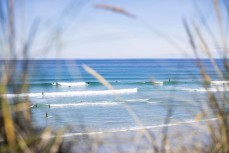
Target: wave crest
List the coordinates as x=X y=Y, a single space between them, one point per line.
x=69 y=84
x=83 y=104
x=77 y=93
x=214 y=89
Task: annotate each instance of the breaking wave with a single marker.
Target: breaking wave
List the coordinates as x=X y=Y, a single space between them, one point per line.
x=213 y=89
x=69 y=84
x=77 y=93
x=84 y=104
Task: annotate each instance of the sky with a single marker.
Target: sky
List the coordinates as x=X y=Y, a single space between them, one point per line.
x=78 y=30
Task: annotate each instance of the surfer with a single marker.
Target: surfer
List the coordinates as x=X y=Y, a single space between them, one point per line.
x=49 y=105
x=42 y=93
x=46 y=114
x=35 y=105
x=55 y=83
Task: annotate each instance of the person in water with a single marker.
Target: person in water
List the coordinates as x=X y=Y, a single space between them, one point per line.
x=49 y=105
x=46 y=114
x=43 y=93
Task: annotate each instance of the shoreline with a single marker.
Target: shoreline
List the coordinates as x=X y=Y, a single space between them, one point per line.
x=188 y=134
x=139 y=128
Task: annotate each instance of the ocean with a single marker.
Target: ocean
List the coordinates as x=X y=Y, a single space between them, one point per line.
x=153 y=89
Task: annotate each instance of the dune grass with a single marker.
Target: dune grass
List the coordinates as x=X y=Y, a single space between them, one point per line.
x=17 y=133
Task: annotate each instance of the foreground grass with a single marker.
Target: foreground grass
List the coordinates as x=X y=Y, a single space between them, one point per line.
x=17 y=133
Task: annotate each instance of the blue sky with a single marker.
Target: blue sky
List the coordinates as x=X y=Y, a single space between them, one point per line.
x=76 y=29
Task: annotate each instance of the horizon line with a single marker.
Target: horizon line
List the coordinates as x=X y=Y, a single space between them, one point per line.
x=107 y=59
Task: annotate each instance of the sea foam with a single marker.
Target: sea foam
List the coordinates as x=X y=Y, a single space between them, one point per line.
x=212 y=89
x=69 y=84
x=76 y=93
x=219 y=82
x=84 y=104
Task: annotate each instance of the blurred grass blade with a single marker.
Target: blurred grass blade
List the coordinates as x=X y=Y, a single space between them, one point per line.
x=98 y=77
x=6 y=113
x=115 y=9
x=11 y=29
x=56 y=145
x=22 y=144
x=191 y=40
x=130 y=111
x=207 y=51
x=219 y=18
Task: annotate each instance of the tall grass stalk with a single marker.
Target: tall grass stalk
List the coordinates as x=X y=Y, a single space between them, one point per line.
x=17 y=133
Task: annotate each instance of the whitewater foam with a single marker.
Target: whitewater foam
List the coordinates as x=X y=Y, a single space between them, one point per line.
x=219 y=82
x=140 y=128
x=160 y=83
x=152 y=102
x=84 y=104
x=213 y=89
x=69 y=84
x=220 y=85
x=136 y=100
x=77 y=93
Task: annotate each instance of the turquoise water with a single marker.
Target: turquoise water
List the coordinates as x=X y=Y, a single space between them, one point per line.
x=150 y=88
